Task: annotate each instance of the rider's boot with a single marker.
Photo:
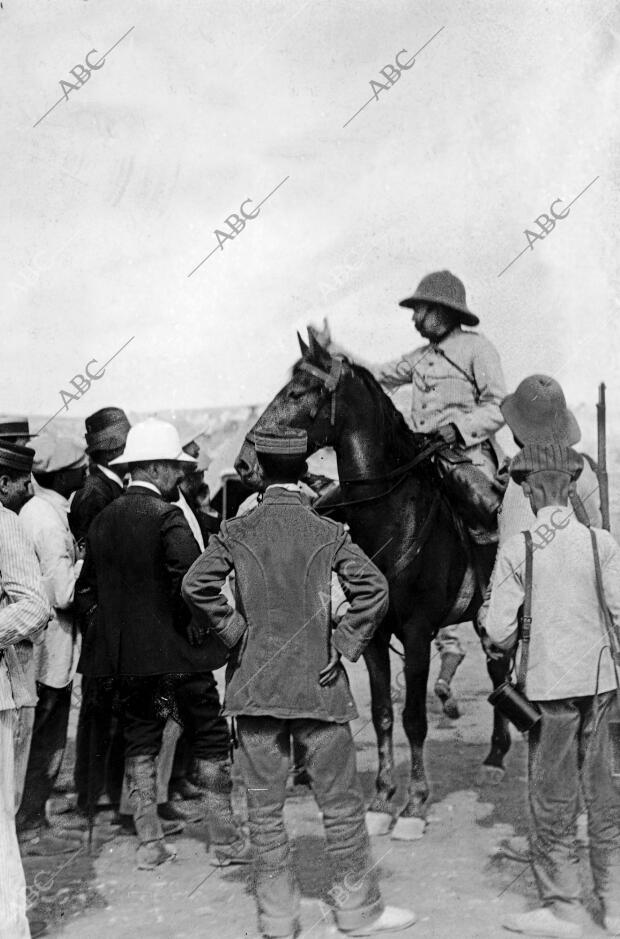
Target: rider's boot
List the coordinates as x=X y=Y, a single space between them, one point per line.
x=450 y=661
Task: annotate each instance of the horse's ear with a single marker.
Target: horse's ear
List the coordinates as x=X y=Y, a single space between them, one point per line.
x=302 y=345
x=317 y=351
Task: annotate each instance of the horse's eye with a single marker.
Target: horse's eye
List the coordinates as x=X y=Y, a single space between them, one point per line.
x=296 y=393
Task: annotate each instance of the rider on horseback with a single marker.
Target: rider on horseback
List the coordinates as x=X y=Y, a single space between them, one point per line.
x=457 y=387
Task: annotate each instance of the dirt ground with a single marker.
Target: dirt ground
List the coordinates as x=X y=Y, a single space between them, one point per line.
x=454 y=877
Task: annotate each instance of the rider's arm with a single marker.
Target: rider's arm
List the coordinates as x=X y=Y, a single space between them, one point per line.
x=486 y=418
x=507 y=592
x=390 y=375
x=367 y=591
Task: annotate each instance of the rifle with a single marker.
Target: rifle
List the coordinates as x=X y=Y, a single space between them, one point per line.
x=603 y=480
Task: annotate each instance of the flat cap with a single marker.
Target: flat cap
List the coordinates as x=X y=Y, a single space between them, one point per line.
x=13 y=456
x=283 y=441
x=57 y=453
x=15 y=426
x=536 y=457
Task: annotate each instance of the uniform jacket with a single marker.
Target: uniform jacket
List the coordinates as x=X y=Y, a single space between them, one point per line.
x=97 y=492
x=137 y=552
x=283 y=555
x=441 y=394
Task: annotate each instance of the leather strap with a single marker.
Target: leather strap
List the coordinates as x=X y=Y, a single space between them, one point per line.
x=612 y=632
x=579 y=509
x=472 y=381
x=526 y=619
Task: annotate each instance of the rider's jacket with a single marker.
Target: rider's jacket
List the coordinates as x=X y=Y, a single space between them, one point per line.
x=456 y=381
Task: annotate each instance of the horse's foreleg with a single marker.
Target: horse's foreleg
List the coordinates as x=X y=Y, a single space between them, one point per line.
x=411 y=821
x=377 y=658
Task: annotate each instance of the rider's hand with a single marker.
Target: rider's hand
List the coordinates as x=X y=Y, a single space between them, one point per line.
x=448 y=433
x=323 y=335
x=329 y=674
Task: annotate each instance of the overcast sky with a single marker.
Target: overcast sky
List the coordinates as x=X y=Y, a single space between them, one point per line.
x=114 y=197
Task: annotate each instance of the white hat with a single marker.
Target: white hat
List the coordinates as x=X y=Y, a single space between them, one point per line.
x=153 y=440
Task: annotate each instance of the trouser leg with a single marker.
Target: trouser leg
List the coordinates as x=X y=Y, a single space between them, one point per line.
x=553 y=781
x=263 y=755
x=602 y=801
x=24 y=726
x=13 y=922
x=205 y=727
x=49 y=738
x=143 y=728
x=330 y=762
x=165 y=759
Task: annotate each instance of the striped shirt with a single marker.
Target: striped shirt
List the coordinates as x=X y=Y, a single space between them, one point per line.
x=24 y=611
x=442 y=394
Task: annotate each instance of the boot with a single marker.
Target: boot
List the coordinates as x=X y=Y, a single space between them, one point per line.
x=213 y=776
x=450 y=661
x=142 y=784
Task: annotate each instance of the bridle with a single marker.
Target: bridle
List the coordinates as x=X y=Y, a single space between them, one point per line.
x=330 y=381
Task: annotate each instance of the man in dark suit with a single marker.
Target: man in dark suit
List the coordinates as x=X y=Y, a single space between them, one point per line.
x=137 y=551
x=99 y=748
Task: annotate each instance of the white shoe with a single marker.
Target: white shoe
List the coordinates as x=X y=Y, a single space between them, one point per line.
x=393 y=919
x=542 y=922
x=612 y=925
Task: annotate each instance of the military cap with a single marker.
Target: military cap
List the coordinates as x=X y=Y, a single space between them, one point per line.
x=536 y=457
x=536 y=413
x=14 y=427
x=106 y=429
x=57 y=453
x=283 y=441
x=13 y=456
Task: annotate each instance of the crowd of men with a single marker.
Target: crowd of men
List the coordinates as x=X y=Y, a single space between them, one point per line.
x=113 y=566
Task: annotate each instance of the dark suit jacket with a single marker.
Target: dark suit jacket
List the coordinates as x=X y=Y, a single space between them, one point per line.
x=97 y=492
x=283 y=555
x=137 y=552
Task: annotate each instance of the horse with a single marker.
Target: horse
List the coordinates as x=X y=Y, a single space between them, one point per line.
x=393 y=503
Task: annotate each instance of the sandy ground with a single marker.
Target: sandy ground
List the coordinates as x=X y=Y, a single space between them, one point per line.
x=453 y=877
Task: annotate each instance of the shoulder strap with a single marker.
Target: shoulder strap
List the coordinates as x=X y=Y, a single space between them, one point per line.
x=610 y=627
x=526 y=619
x=471 y=379
x=581 y=513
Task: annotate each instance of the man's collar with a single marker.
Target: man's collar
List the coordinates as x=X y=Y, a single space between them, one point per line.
x=291 y=487
x=141 y=483
x=110 y=474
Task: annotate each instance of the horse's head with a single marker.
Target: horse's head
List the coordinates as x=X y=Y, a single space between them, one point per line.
x=307 y=401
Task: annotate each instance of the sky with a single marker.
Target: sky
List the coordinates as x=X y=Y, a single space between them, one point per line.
x=114 y=197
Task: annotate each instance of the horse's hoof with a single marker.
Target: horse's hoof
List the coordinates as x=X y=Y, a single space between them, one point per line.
x=490 y=775
x=408 y=829
x=378 y=823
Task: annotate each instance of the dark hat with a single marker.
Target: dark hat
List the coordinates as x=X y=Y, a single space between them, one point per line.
x=537 y=413
x=14 y=427
x=106 y=429
x=443 y=287
x=536 y=457
x=284 y=441
x=14 y=456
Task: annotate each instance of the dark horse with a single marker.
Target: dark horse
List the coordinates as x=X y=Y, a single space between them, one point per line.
x=393 y=503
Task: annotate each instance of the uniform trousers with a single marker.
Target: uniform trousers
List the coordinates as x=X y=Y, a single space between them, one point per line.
x=570 y=753
x=264 y=754
x=24 y=725
x=99 y=745
x=13 y=922
x=47 y=748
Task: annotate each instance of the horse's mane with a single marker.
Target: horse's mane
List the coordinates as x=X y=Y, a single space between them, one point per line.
x=398 y=436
